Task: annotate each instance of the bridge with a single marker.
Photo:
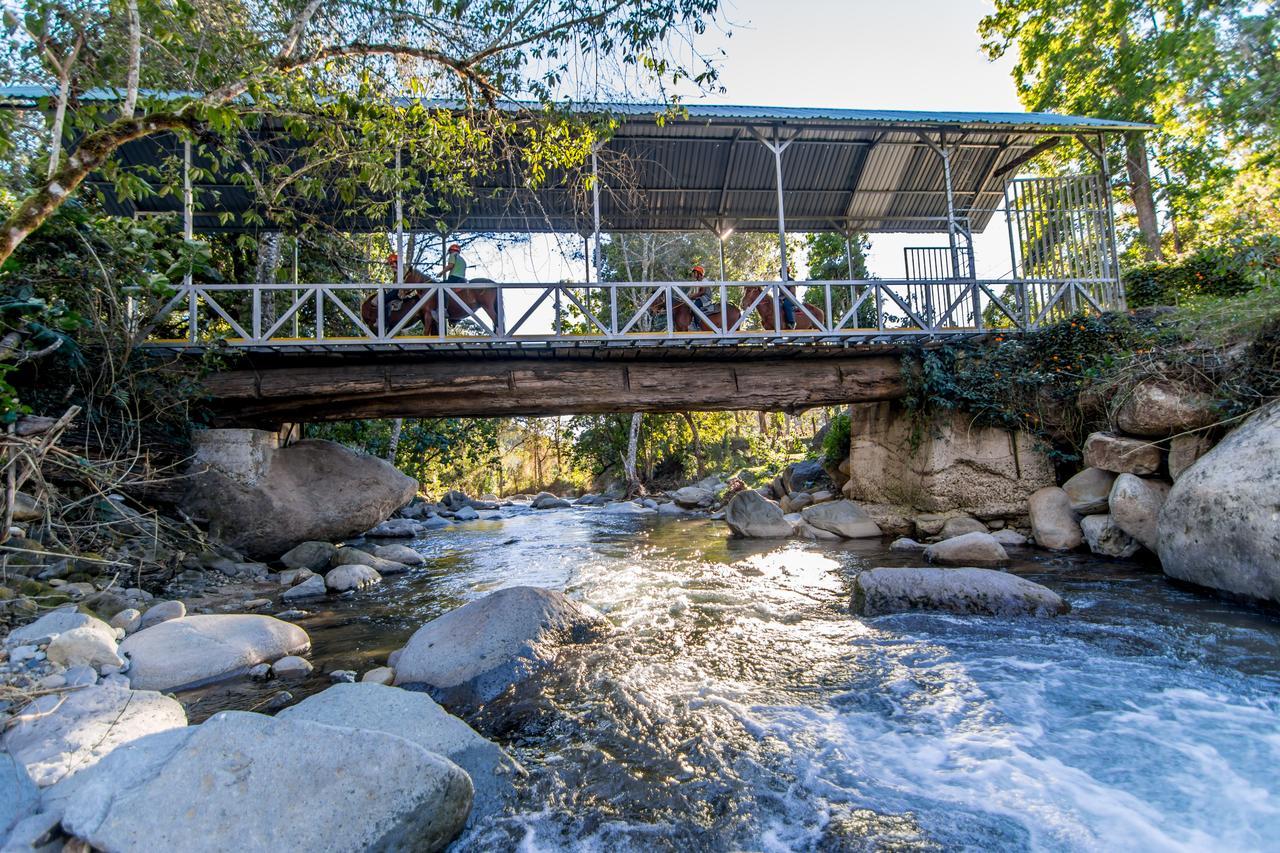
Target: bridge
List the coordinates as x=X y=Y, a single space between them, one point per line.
x=310 y=351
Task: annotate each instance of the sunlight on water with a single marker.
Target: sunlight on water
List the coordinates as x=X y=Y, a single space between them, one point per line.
x=739 y=705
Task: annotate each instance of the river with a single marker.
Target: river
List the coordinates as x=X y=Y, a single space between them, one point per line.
x=739 y=706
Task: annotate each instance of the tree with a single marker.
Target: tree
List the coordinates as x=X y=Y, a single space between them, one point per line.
x=331 y=68
x=1203 y=72
x=830 y=258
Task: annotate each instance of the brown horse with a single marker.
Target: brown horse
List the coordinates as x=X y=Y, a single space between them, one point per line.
x=476 y=298
x=682 y=316
x=765 y=310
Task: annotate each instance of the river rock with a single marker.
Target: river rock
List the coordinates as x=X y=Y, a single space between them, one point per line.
x=626 y=508
x=1121 y=454
x=50 y=625
x=86 y=646
x=1158 y=408
x=393 y=528
x=956 y=466
x=162 y=612
x=291 y=666
x=57 y=735
x=402 y=554
x=1105 y=537
x=1184 y=450
x=417 y=718
x=19 y=796
x=1135 y=507
x=807 y=476
x=1053 y=523
x=381 y=565
x=1009 y=538
x=906 y=544
x=264 y=783
x=195 y=650
x=127 y=620
x=805 y=530
x=590 y=500
x=471 y=655
x=379 y=675
x=960 y=525
x=985 y=592
x=795 y=501
x=309 y=555
x=546 y=500
x=1089 y=491
x=344 y=578
x=752 y=515
x=27 y=508
x=692 y=497
x=844 y=518
x=469 y=513
x=1220 y=526
x=262 y=499
x=671 y=508
x=312 y=587
x=968 y=549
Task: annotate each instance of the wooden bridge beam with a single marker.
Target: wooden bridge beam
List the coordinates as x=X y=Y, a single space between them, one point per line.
x=465 y=387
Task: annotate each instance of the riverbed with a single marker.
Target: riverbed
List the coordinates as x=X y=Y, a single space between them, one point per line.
x=739 y=706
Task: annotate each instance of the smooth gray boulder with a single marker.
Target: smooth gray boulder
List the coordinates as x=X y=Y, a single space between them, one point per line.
x=960 y=525
x=19 y=796
x=969 y=549
x=469 y=513
x=416 y=717
x=262 y=499
x=626 y=508
x=1135 y=507
x=1009 y=538
x=58 y=735
x=393 y=528
x=402 y=554
x=357 y=557
x=127 y=620
x=693 y=497
x=87 y=646
x=752 y=515
x=312 y=587
x=1121 y=454
x=162 y=611
x=1089 y=491
x=1220 y=526
x=1053 y=523
x=1105 y=537
x=985 y=592
x=473 y=654
x=844 y=518
x=50 y=625
x=546 y=500
x=906 y=544
x=253 y=783
x=345 y=578
x=309 y=555
x=291 y=666
x=196 y=650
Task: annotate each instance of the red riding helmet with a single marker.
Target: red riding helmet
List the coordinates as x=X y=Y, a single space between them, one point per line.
x=393 y=259
x=455 y=248
x=697 y=268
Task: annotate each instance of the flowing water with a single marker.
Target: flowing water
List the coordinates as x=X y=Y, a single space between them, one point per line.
x=739 y=706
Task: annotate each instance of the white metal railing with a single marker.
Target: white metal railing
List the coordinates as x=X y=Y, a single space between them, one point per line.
x=282 y=316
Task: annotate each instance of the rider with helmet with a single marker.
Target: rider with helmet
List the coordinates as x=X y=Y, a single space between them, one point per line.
x=455 y=266
x=701 y=297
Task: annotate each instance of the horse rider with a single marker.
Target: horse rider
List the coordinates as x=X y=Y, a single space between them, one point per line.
x=396 y=297
x=455 y=266
x=701 y=297
x=788 y=305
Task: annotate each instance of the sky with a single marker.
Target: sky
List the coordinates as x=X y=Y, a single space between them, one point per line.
x=903 y=54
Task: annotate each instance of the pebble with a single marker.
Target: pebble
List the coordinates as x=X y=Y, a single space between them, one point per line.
x=291 y=667
x=293 y=614
x=381 y=675
x=261 y=672
x=343 y=676
x=256 y=603
x=278 y=701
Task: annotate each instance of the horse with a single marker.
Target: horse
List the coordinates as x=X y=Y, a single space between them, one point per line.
x=765 y=310
x=682 y=316
x=476 y=298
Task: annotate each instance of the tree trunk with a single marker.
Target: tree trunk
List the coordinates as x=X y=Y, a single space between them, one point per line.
x=634 y=487
x=394 y=444
x=1135 y=162
x=265 y=272
x=698 y=453
x=92 y=152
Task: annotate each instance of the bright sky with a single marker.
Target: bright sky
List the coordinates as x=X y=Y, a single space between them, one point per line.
x=906 y=54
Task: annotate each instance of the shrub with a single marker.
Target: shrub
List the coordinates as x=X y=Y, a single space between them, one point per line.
x=835 y=444
x=1224 y=271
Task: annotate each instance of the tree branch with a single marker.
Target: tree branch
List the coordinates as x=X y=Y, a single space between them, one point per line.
x=135 y=61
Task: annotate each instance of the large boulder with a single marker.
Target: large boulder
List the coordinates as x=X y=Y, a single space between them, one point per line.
x=195 y=650
x=752 y=515
x=693 y=497
x=417 y=718
x=1105 y=537
x=968 y=549
x=807 y=476
x=50 y=625
x=1159 y=408
x=252 y=783
x=1121 y=454
x=58 y=735
x=546 y=500
x=1135 y=507
x=843 y=518
x=1089 y=490
x=955 y=466
x=263 y=499
x=472 y=655
x=1220 y=526
x=1053 y=523
x=985 y=592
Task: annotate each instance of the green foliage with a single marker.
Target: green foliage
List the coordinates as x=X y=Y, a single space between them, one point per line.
x=1217 y=271
x=835 y=444
x=438 y=452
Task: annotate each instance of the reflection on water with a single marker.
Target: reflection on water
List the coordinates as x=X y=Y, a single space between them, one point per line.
x=740 y=706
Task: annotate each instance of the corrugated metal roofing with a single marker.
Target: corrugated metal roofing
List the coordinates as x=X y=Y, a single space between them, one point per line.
x=845 y=169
